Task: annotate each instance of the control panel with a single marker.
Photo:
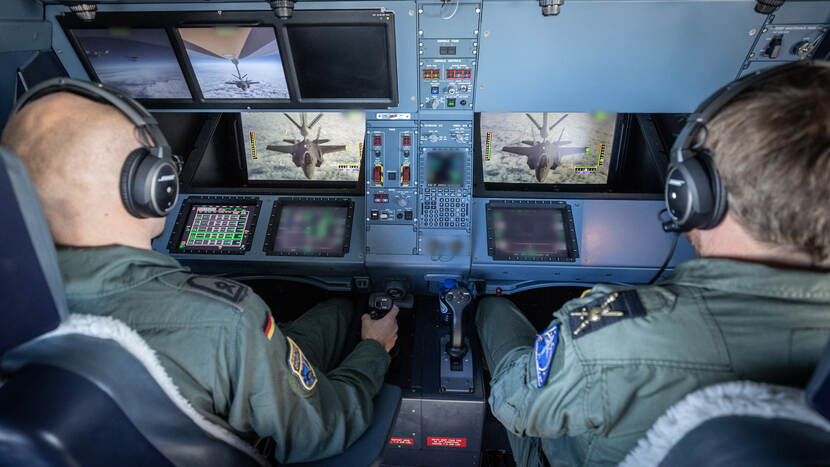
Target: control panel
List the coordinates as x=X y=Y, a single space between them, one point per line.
x=445 y=175
x=391 y=164
x=448 y=50
x=786 y=42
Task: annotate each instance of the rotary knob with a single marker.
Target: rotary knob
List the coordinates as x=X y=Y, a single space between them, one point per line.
x=401 y=200
x=452 y=89
x=433 y=137
x=434 y=102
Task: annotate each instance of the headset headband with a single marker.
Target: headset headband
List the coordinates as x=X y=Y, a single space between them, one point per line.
x=681 y=150
x=138 y=115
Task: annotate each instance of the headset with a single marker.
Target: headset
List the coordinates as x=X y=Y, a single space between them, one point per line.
x=149 y=183
x=695 y=195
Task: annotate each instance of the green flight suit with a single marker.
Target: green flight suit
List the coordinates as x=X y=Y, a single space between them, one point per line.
x=712 y=320
x=212 y=337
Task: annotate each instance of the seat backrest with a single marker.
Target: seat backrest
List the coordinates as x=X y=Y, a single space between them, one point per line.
x=818 y=389
x=30 y=283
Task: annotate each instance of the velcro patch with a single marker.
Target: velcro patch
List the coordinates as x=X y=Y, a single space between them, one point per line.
x=227 y=291
x=543 y=351
x=605 y=310
x=300 y=366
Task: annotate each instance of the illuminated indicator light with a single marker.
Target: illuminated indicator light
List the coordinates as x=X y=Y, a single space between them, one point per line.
x=378 y=140
x=407 y=140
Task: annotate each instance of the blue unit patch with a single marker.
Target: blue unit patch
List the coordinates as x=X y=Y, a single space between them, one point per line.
x=544 y=350
x=300 y=366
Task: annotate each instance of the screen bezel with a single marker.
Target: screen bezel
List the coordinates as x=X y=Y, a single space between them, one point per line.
x=276 y=213
x=549 y=190
x=297 y=186
x=184 y=212
x=567 y=221
x=171 y=21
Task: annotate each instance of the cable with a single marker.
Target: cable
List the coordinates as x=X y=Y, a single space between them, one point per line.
x=453 y=12
x=668 y=258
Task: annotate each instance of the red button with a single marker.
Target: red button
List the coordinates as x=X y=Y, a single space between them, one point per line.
x=377 y=175
x=405 y=174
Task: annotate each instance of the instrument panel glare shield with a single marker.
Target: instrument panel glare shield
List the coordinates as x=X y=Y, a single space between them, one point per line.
x=215 y=226
x=531 y=231
x=310 y=227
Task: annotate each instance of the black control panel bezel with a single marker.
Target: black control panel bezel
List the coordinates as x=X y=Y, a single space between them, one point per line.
x=567 y=219
x=276 y=212
x=184 y=211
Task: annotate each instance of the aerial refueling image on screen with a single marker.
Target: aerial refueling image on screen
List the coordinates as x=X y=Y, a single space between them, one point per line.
x=140 y=62
x=303 y=146
x=528 y=234
x=550 y=148
x=236 y=62
x=311 y=230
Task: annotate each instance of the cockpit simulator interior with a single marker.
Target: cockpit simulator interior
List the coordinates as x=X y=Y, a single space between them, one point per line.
x=426 y=154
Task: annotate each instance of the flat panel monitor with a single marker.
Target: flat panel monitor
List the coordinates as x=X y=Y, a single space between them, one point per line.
x=234 y=62
x=215 y=226
x=310 y=227
x=531 y=231
x=342 y=61
x=445 y=168
x=140 y=62
x=547 y=148
x=325 y=147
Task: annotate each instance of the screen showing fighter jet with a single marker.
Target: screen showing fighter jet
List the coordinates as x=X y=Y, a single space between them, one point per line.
x=303 y=146
x=550 y=148
x=310 y=228
x=528 y=232
x=140 y=62
x=233 y=62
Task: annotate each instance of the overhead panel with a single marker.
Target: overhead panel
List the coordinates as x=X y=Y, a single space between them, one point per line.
x=623 y=56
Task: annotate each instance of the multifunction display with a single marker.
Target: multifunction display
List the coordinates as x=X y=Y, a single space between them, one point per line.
x=215 y=226
x=531 y=231
x=549 y=148
x=309 y=227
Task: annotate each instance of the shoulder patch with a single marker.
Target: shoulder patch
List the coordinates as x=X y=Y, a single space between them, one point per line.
x=543 y=351
x=300 y=366
x=227 y=291
x=605 y=310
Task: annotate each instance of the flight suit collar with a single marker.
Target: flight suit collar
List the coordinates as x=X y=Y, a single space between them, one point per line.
x=753 y=279
x=96 y=272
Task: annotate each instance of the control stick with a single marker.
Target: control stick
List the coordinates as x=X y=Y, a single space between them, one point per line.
x=457 y=299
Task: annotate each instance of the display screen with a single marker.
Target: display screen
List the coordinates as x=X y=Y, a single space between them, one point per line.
x=550 y=148
x=303 y=146
x=445 y=168
x=528 y=233
x=341 y=61
x=140 y=62
x=217 y=227
x=233 y=62
x=311 y=230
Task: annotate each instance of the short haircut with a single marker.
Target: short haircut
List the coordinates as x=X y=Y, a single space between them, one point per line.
x=771 y=145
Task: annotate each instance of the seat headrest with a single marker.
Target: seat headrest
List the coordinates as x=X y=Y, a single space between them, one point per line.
x=30 y=282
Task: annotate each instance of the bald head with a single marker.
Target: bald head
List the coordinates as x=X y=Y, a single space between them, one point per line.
x=74 y=149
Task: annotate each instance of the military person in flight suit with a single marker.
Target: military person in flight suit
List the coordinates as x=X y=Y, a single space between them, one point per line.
x=216 y=339
x=755 y=306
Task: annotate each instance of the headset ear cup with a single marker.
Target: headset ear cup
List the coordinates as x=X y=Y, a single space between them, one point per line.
x=719 y=194
x=128 y=171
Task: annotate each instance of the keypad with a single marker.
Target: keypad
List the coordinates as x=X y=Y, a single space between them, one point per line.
x=445 y=207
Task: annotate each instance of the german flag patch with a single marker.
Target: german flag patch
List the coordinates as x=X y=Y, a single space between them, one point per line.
x=269 y=326
x=300 y=366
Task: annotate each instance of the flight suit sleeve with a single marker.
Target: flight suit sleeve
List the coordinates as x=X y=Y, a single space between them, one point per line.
x=278 y=393
x=569 y=402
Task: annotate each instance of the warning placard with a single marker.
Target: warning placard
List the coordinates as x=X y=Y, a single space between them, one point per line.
x=402 y=441
x=447 y=442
